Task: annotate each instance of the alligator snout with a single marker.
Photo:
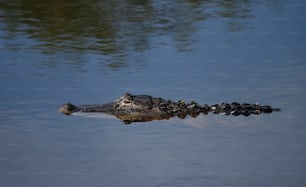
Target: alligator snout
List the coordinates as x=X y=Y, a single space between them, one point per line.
x=67 y=108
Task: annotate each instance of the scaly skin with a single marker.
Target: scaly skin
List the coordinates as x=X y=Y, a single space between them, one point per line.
x=140 y=108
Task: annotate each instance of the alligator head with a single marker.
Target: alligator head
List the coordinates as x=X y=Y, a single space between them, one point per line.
x=134 y=103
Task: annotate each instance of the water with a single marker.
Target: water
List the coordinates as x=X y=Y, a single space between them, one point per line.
x=207 y=51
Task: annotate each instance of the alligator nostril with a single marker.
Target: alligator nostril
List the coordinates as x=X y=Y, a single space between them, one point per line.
x=64 y=110
x=67 y=108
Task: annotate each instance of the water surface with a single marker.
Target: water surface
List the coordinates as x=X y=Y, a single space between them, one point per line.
x=209 y=51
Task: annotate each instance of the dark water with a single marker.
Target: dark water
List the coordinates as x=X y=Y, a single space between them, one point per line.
x=208 y=51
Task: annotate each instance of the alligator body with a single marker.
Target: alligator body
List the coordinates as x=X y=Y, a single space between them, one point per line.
x=141 y=108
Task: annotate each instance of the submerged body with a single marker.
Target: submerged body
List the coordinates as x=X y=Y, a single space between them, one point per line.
x=140 y=108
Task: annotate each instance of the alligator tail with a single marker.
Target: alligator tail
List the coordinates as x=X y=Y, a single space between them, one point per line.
x=236 y=109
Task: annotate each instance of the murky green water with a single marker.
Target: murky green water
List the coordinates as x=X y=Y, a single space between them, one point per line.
x=208 y=51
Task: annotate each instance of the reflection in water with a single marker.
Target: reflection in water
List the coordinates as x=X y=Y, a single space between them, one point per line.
x=142 y=108
x=115 y=28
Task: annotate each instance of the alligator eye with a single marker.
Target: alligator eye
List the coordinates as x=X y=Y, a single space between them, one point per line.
x=127 y=102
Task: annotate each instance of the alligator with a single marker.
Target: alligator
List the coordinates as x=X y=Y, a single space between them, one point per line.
x=142 y=108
